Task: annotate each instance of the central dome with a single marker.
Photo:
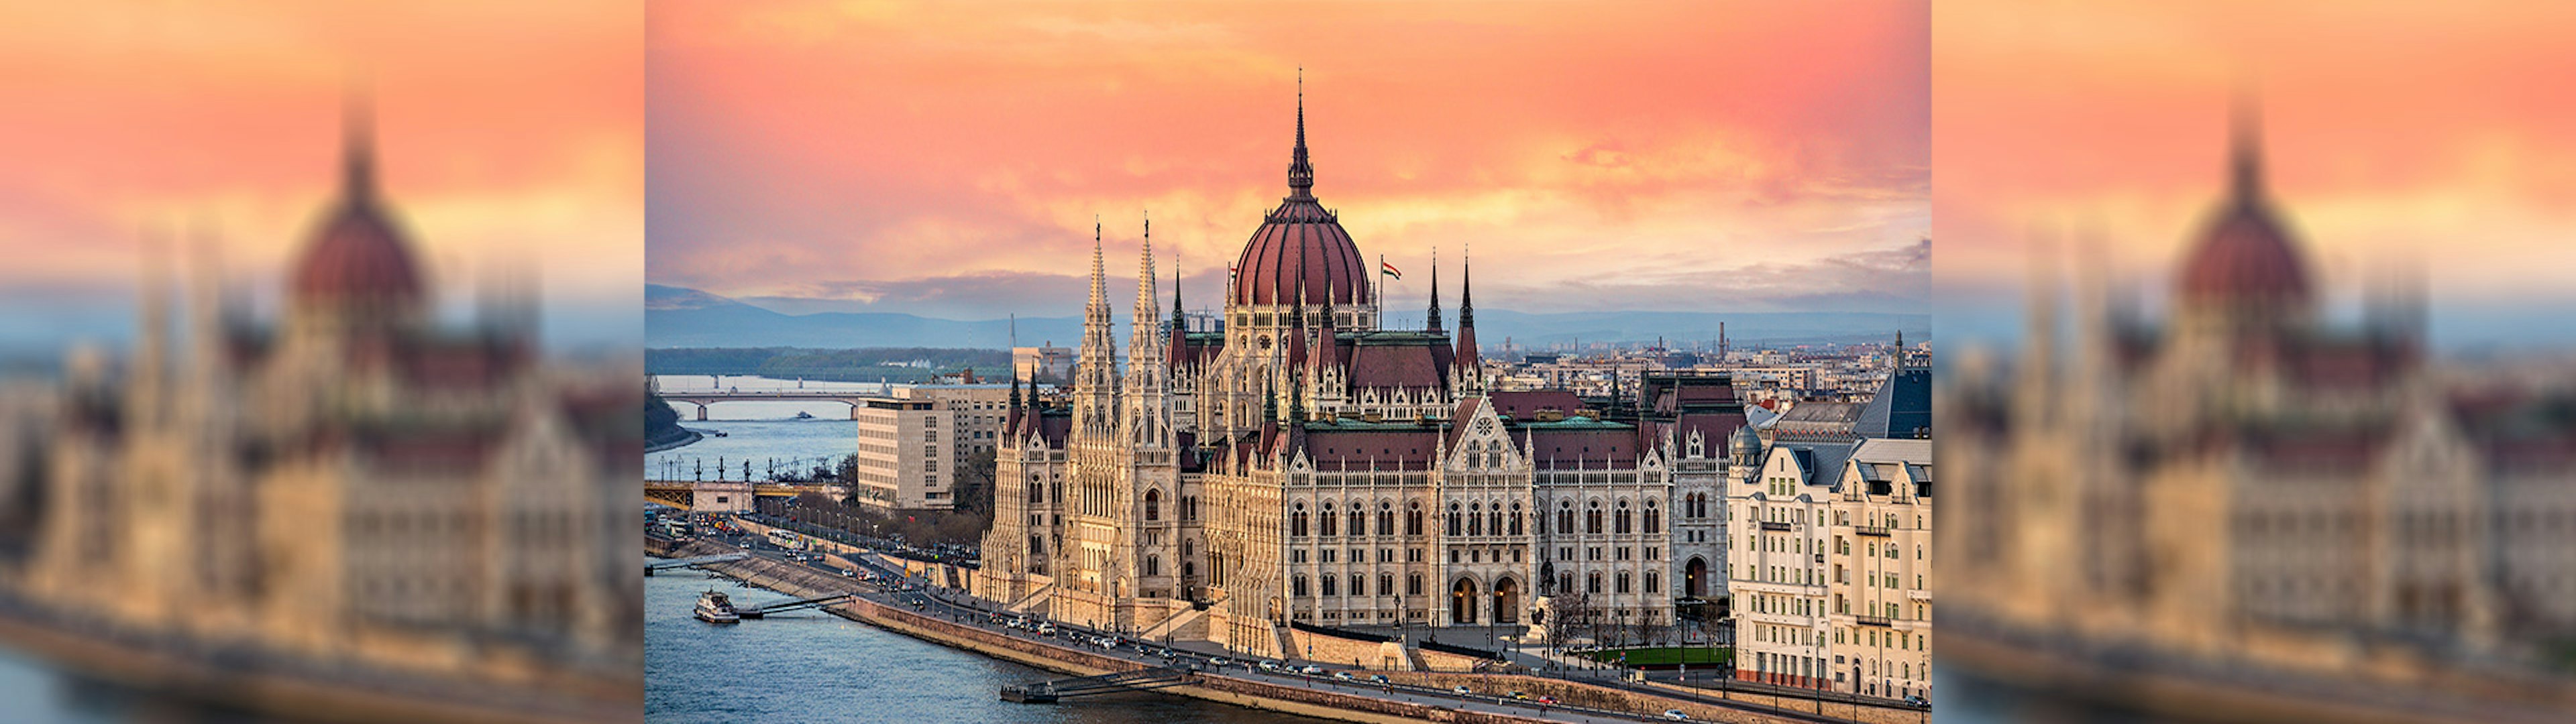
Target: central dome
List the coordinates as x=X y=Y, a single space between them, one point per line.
x=357 y=256
x=2246 y=258
x=1300 y=247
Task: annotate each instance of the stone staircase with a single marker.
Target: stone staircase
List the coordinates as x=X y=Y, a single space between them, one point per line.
x=1188 y=625
x=1032 y=600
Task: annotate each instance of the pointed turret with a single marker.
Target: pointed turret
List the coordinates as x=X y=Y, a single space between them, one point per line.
x=1178 y=352
x=1011 y=424
x=1467 y=357
x=1432 y=321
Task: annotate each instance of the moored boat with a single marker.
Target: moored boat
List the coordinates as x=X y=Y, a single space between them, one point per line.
x=716 y=607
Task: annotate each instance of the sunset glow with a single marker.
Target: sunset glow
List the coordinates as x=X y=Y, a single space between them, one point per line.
x=948 y=160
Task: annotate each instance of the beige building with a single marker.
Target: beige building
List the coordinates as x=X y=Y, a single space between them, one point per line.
x=1881 y=570
x=913 y=443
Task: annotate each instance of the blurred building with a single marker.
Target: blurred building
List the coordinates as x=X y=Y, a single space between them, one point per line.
x=354 y=484
x=2250 y=484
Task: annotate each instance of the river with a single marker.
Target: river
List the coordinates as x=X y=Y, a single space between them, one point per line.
x=811 y=666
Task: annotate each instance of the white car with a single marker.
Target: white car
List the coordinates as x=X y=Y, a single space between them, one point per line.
x=1462 y=690
x=1676 y=715
x=1312 y=670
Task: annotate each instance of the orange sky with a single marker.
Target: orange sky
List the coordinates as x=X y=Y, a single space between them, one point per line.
x=509 y=133
x=948 y=158
x=2439 y=136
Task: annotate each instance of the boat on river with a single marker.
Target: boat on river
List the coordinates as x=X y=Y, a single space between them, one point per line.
x=716 y=607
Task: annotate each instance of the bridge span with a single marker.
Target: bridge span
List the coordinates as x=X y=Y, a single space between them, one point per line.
x=704 y=398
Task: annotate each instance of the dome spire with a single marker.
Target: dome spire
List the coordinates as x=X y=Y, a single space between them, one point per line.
x=2245 y=154
x=1301 y=172
x=358 y=146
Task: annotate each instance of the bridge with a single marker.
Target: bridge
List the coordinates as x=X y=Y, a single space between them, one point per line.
x=1146 y=679
x=703 y=398
x=726 y=496
x=785 y=606
x=651 y=566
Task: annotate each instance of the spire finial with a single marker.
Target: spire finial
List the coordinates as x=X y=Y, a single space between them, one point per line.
x=1301 y=171
x=2245 y=157
x=1466 y=292
x=358 y=154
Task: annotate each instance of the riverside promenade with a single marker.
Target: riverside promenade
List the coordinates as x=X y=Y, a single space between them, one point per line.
x=947 y=617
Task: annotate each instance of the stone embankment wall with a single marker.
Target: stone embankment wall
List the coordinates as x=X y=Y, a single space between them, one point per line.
x=1604 y=697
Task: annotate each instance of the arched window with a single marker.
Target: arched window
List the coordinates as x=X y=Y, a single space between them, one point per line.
x=1153 y=505
x=1623 y=582
x=1385 y=518
x=1386 y=584
x=1413 y=584
x=1592 y=582
x=1454 y=523
x=1475 y=519
x=1359 y=520
x=1037 y=493
x=1359 y=585
x=1326 y=518
x=1654 y=583
x=1331 y=587
x=1565 y=517
x=1494 y=520
x=1413 y=518
x=1592 y=519
x=1153 y=565
x=1297 y=586
x=1297 y=522
x=1622 y=519
x=1654 y=518
x=1516 y=518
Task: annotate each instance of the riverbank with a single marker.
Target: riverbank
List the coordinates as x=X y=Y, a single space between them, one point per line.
x=1302 y=698
x=675 y=441
x=241 y=677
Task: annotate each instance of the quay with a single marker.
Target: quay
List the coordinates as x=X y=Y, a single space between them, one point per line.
x=1407 y=696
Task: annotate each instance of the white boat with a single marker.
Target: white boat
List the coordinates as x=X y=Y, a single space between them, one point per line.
x=716 y=607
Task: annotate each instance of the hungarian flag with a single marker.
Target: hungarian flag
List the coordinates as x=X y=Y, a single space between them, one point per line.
x=1389 y=270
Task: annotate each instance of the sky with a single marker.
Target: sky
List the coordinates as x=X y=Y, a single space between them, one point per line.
x=509 y=137
x=949 y=159
x=2432 y=140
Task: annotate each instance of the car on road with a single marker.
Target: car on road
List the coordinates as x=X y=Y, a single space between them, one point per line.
x=1676 y=715
x=1545 y=699
x=1218 y=661
x=1462 y=690
x=1270 y=666
x=1516 y=694
x=1377 y=678
x=1343 y=676
x=1918 y=702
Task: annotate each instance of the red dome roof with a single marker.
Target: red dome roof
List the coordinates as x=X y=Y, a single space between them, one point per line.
x=356 y=255
x=1300 y=231
x=2245 y=257
x=1301 y=247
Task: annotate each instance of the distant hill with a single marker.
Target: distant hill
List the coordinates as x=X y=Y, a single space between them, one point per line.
x=681 y=317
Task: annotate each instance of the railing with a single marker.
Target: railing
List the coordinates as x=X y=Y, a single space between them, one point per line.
x=1872 y=620
x=1774 y=525
x=1876 y=530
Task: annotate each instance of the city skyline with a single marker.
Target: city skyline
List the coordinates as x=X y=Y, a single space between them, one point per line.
x=856 y=164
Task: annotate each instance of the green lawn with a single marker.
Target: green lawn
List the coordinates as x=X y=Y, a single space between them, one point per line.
x=1666 y=656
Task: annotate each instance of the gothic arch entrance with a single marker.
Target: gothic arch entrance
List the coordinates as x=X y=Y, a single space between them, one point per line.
x=1694 y=578
x=1462 y=602
x=1507 y=601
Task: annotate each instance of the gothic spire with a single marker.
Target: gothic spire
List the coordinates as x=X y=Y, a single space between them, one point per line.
x=1467 y=357
x=1433 y=323
x=1466 y=293
x=1301 y=172
x=358 y=151
x=2245 y=155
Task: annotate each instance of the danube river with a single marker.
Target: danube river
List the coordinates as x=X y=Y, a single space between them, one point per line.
x=811 y=666
x=765 y=434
